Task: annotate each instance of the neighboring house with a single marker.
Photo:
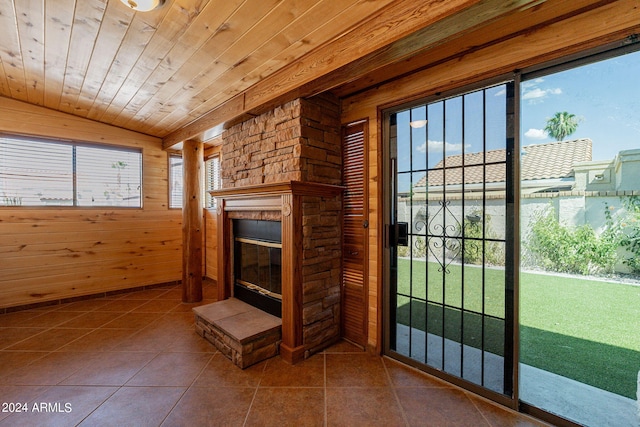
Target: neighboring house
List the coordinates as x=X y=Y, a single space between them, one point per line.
x=620 y=174
x=543 y=168
x=558 y=174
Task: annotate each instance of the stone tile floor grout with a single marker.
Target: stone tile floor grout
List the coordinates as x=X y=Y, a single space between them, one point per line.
x=395 y=394
x=154 y=370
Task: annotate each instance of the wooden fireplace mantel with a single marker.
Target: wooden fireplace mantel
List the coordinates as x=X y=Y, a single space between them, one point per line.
x=285 y=199
x=294 y=187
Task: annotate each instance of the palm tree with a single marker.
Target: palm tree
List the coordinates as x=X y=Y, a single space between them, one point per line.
x=562 y=125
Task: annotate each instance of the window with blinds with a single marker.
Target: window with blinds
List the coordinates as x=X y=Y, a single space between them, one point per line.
x=212 y=180
x=37 y=172
x=175 y=181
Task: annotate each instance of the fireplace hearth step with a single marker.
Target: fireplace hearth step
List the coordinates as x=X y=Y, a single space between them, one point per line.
x=243 y=333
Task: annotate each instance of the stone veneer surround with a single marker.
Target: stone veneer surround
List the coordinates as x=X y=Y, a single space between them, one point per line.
x=285 y=165
x=298 y=141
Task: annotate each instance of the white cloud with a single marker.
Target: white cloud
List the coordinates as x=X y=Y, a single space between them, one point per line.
x=535 y=94
x=536 y=134
x=436 y=147
x=500 y=92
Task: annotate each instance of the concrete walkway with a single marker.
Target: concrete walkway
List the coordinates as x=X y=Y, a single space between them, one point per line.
x=571 y=399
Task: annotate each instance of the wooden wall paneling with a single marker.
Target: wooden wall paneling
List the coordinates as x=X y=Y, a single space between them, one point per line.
x=81 y=215
x=211 y=244
x=31 y=240
x=44 y=267
x=589 y=27
x=81 y=283
x=131 y=242
x=375 y=242
x=27 y=242
x=79 y=268
x=51 y=253
x=22 y=118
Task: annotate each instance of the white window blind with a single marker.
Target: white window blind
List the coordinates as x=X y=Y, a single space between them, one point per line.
x=108 y=177
x=175 y=181
x=176 y=170
x=212 y=168
x=51 y=173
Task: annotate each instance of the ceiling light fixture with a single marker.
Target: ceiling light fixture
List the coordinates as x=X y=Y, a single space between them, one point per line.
x=417 y=124
x=143 y=5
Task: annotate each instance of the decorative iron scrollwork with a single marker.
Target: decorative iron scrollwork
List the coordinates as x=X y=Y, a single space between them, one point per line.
x=443 y=236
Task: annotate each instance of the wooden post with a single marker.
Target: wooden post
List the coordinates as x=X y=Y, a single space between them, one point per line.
x=291 y=347
x=192 y=220
x=224 y=249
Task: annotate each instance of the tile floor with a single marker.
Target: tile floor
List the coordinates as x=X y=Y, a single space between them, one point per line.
x=135 y=360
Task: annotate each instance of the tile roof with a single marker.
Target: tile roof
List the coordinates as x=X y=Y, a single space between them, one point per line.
x=538 y=161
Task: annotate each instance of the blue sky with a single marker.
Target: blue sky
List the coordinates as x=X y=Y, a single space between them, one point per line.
x=446 y=122
x=604 y=95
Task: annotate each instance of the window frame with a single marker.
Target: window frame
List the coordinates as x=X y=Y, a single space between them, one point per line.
x=170 y=189
x=74 y=144
x=208 y=202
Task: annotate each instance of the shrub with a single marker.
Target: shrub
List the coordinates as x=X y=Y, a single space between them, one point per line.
x=579 y=250
x=630 y=232
x=473 y=253
x=416 y=249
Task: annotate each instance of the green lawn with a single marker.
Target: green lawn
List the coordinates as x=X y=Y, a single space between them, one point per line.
x=582 y=329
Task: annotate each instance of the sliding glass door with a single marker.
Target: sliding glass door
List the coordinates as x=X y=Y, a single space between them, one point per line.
x=450 y=302
x=512 y=239
x=580 y=222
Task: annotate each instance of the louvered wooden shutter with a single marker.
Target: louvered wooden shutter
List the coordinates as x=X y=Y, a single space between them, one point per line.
x=354 y=289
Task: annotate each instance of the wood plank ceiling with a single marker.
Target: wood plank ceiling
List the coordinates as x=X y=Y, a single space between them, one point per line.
x=178 y=70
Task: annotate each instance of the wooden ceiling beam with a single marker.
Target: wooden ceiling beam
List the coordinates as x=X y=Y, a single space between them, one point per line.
x=510 y=26
x=224 y=112
x=397 y=32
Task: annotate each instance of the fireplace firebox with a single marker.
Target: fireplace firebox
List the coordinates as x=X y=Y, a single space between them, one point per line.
x=307 y=216
x=257 y=264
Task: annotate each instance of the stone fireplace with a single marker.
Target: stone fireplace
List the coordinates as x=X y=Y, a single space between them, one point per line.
x=284 y=167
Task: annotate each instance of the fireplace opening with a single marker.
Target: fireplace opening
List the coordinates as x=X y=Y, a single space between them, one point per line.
x=258 y=264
